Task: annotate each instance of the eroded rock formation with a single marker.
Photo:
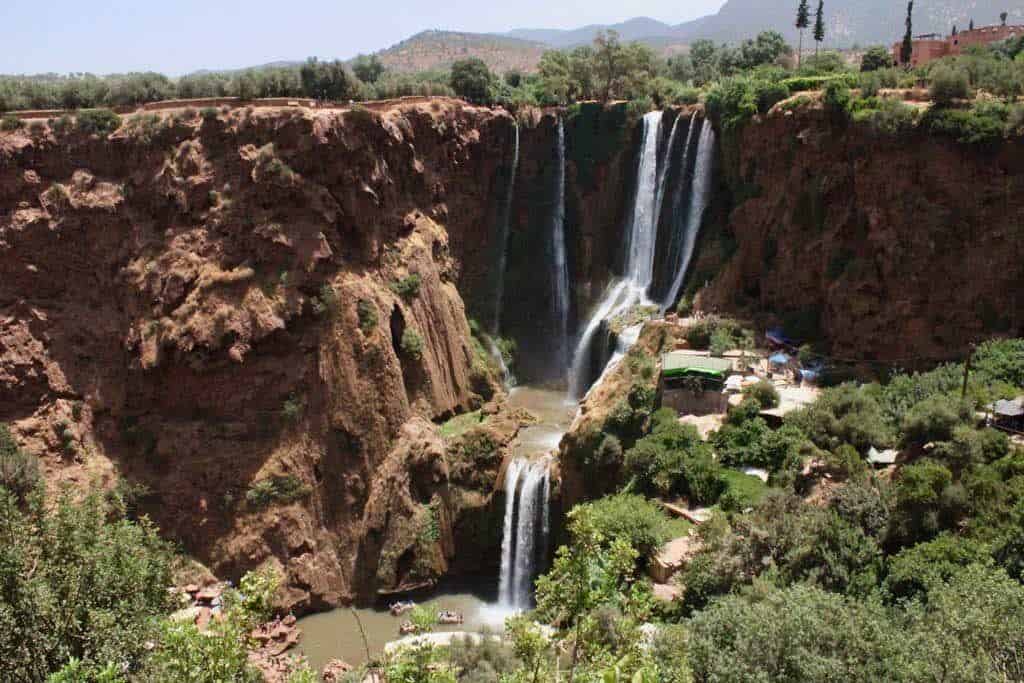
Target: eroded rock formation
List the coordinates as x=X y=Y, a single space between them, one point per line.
x=253 y=315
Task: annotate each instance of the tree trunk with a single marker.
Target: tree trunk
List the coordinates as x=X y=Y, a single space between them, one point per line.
x=800 y=49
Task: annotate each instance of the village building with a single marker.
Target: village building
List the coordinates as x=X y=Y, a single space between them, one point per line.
x=929 y=47
x=692 y=383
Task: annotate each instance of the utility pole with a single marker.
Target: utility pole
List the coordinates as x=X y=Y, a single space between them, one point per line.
x=967 y=371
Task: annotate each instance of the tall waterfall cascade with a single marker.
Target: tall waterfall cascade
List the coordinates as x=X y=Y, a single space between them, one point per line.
x=699 y=194
x=633 y=288
x=642 y=235
x=559 y=261
x=527 y=529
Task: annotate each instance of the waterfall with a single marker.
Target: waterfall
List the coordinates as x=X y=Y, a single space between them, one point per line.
x=504 y=219
x=666 y=166
x=642 y=235
x=527 y=527
x=643 y=231
x=505 y=586
x=559 y=262
x=676 y=216
x=699 y=191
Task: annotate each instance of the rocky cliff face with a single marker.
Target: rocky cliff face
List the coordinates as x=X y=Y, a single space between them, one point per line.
x=254 y=316
x=887 y=248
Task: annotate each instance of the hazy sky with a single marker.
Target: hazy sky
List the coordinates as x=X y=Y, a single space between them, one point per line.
x=178 y=36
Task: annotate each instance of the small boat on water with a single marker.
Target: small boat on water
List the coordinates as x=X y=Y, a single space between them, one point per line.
x=448 y=617
x=401 y=607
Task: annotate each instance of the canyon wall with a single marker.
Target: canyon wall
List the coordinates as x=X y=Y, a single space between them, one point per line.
x=886 y=248
x=251 y=318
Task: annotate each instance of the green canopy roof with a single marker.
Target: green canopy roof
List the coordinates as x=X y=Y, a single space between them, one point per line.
x=681 y=364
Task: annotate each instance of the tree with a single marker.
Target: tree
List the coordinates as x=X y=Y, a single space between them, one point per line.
x=704 y=56
x=819 y=26
x=1002 y=17
x=876 y=58
x=971 y=26
x=954 y=29
x=472 y=80
x=368 y=69
x=609 y=62
x=907 y=49
x=326 y=80
x=803 y=20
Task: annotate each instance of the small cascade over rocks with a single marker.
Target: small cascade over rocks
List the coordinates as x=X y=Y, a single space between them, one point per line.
x=699 y=194
x=527 y=529
x=642 y=236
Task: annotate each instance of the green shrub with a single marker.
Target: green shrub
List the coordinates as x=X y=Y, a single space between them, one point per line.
x=367 y=313
x=292 y=408
x=19 y=471
x=979 y=125
x=769 y=94
x=890 y=117
x=876 y=58
x=805 y=83
x=631 y=518
x=915 y=570
x=327 y=302
x=838 y=101
x=11 y=122
x=948 y=84
x=412 y=344
x=100 y=122
x=276 y=489
x=208 y=113
x=765 y=393
x=934 y=419
x=844 y=414
x=80 y=581
x=408 y=287
x=184 y=653
x=732 y=102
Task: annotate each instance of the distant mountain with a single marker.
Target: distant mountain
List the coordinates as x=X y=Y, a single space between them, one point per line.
x=849 y=22
x=438 y=49
x=640 y=28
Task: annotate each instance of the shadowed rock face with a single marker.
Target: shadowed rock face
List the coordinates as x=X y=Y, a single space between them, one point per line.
x=886 y=248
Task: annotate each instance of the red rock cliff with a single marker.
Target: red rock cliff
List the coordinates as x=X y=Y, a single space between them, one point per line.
x=205 y=305
x=893 y=248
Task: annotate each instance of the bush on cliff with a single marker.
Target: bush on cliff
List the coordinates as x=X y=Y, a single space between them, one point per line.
x=948 y=84
x=412 y=344
x=100 y=122
x=19 y=471
x=81 y=581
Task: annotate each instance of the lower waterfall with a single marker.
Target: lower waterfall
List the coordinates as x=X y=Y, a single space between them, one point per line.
x=527 y=526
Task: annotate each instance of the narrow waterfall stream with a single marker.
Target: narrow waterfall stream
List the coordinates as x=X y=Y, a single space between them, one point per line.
x=559 y=262
x=504 y=225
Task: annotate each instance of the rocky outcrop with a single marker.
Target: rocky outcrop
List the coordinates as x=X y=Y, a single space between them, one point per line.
x=888 y=248
x=252 y=316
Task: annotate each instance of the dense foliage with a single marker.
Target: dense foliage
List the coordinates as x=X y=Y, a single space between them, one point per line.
x=911 y=576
